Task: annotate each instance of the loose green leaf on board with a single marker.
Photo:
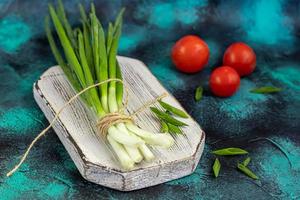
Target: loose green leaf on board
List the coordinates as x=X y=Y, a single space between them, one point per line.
x=173 y=110
x=166 y=117
x=164 y=127
x=174 y=129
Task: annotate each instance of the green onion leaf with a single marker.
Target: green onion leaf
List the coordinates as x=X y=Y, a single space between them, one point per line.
x=95 y=44
x=246 y=161
x=62 y=15
x=68 y=50
x=59 y=59
x=265 y=90
x=88 y=76
x=119 y=87
x=82 y=13
x=103 y=65
x=110 y=33
x=164 y=127
x=164 y=116
x=113 y=52
x=119 y=20
x=198 y=93
x=113 y=101
x=172 y=109
x=229 y=152
x=174 y=129
x=247 y=171
x=88 y=48
x=216 y=167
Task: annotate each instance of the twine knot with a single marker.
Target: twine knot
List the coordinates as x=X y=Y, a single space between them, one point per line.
x=111 y=119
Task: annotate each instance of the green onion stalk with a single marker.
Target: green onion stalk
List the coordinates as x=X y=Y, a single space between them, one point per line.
x=88 y=55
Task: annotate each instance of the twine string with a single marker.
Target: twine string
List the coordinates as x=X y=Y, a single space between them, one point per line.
x=103 y=124
x=111 y=119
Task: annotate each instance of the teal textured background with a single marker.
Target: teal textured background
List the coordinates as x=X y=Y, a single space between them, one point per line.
x=272 y=28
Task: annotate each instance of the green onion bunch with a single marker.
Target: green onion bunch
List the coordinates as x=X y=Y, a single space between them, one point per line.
x=88 y=55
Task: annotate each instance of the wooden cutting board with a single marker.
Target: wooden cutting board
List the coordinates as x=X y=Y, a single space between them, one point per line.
x=93 y=157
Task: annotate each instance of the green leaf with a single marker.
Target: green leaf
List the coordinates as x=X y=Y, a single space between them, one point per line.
x=265 y=90
x=109 y=36
x=95 y=44
x=88 y=48
x=174 y=129
x=246 y=161
x=119 y=20
x=198 y=93
x=173 y=110
x=229 y=151
x=164 y=127
x=66 y=44
x=112 y=57
x=82 y=13
x=62 y=16
x=216 y=167
x=119 y=87
x=247 y=171
x=88 y=76
x=58 y=57
x=164 y=116
x=168 y=112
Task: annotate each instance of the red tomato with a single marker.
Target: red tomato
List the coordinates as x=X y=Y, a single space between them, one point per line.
x=224 y=81
x=190 y=54
x=240 y=57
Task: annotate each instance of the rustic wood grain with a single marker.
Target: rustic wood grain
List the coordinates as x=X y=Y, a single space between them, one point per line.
x=93 y=157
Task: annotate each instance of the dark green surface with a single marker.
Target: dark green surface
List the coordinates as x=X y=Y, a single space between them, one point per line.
x=151 y=28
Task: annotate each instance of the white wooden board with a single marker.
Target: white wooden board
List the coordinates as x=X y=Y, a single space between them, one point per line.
x=93 y=157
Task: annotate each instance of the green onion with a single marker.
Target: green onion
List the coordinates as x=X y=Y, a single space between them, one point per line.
x=83 y=14
x=119 y=87
x=103 y=67
x=58 y=56
x=132 y=151
x=62 y=15
x=88 y=48
x=229 y=152
x=265 y=90
x=112 y=62
x=163 y=140
x=119 y=21
x=246 y=161
x=216 y=167
x=247 y=171
x=95 y=44
x=69 y=52
x=88 y=76
x=110 y=34
x=173 y=110
x=147 y=154
x=89 y=57
x=174 y=129
x=164 y=127
x=164 y=116
x=198 y=93
x=123 y=157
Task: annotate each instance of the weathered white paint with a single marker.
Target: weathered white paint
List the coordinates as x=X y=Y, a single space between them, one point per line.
x=93 y=157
